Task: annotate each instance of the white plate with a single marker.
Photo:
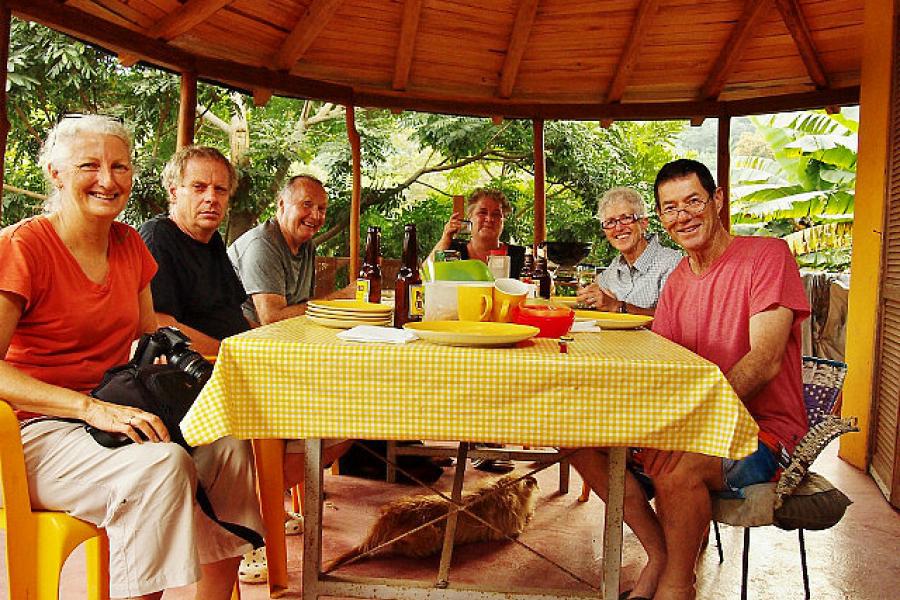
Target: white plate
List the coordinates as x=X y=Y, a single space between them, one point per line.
x=472 y=333
x=344 y=323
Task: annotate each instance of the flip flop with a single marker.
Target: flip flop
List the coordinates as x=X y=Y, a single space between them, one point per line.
x=254 y=568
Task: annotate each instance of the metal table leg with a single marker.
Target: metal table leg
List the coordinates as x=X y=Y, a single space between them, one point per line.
x=450 y=528
x=612 y=527
x=312 y=519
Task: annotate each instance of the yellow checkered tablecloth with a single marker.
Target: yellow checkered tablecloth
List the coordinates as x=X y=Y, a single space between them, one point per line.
x=295 y=379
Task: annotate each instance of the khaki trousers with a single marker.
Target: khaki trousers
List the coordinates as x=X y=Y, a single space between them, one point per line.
x=143 y=495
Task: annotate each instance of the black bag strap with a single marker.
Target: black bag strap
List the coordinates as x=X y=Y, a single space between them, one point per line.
x=238 y=530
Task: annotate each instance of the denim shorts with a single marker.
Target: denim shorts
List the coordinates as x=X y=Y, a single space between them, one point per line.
x=759 y=467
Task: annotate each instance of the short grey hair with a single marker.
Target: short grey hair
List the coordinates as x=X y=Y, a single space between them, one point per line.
x=622 y=194
x=173 y=172
x=57 y=146
x=285 y=190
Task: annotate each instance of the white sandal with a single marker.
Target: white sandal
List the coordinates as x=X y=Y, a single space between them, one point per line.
x=294 y=524
x=254 y=568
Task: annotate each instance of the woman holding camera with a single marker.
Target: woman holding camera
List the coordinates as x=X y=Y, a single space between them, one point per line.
x=486 y=211
x=74 y=295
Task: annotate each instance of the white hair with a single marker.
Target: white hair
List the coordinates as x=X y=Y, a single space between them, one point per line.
x=288 y=188
x=622 y=194
x=57 y=146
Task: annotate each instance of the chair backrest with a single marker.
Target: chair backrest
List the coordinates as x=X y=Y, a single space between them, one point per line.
x=16 y=506
x=822 y=383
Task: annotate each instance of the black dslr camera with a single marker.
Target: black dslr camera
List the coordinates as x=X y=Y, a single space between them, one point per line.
x=175 y=346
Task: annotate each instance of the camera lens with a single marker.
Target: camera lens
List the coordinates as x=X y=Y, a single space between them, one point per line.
x=193 y=364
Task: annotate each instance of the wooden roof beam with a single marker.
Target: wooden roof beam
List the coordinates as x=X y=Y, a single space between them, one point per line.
x=182 y=20
x=796 y=24
x=734 y=47
x=179 y=21
x=409 y=27
x=117 y=38
x=642 y=21
x=307 y=29
x=518 y=41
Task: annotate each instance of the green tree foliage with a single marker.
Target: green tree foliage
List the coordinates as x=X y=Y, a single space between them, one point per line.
x=412 y=163
x=804 y=191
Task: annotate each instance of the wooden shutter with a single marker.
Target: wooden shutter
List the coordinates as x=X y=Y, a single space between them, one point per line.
x=885 y=463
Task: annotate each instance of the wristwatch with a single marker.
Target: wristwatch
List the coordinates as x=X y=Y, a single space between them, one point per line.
x=623 y=307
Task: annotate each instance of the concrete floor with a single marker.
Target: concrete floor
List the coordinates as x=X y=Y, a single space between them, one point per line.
x=858 y=559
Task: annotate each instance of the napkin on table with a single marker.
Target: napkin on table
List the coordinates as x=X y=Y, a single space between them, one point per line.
x=584 y=327
x=372 y=333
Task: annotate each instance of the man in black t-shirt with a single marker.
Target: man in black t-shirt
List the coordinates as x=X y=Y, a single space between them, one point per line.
x=196 y=288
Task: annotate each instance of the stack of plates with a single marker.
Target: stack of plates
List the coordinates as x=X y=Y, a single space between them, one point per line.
x=344 y=314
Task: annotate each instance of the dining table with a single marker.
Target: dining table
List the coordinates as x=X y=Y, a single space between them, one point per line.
x=615 y=389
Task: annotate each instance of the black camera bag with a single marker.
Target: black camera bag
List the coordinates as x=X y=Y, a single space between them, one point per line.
x=161 y=389
x=168 y=392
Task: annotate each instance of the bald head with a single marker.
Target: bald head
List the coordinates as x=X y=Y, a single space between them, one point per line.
x=302 y=204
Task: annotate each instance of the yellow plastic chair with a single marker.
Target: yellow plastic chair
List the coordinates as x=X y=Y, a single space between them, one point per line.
x=37 y=541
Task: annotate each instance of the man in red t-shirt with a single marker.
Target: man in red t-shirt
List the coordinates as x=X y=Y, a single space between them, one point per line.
x=739 y=303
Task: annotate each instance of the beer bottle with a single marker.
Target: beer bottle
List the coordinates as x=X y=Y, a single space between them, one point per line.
x=409 y=304
x=368 y=284
x=527 y=267
x=541 y=275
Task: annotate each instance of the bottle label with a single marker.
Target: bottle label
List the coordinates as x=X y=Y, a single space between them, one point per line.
x=362 y=290
x=416 y=300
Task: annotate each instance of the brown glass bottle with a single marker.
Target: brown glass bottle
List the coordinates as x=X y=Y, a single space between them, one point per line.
x=368 y=284
x=527 y=267
x=409 y=304
x=541 y=276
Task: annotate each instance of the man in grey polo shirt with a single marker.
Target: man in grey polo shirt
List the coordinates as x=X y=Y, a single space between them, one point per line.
x=276 y=260
x=634 y=280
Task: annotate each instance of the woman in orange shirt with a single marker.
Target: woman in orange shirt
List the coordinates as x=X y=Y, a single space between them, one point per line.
x=74 y=295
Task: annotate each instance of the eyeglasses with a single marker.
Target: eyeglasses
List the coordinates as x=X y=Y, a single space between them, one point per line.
x=692 y=207
x=623 y=220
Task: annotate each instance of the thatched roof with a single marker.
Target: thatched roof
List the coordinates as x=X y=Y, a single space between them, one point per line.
x=598 y=59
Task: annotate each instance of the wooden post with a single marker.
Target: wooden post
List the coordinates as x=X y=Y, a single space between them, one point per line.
x=4 y=119
x=873 y=179
x=540 y=166
x=353 y=136
x=187 y=110
x=723 y=168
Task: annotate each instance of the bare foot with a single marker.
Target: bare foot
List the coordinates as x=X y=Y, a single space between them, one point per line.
x=645 y=586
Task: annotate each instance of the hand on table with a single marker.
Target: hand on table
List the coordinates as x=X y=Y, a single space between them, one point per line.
x=597 y=297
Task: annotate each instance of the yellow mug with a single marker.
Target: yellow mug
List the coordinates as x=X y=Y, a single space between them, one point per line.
x=474 y=302
x=508 y=293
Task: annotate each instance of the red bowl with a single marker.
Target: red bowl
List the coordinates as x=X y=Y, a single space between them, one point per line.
x=552 y=319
